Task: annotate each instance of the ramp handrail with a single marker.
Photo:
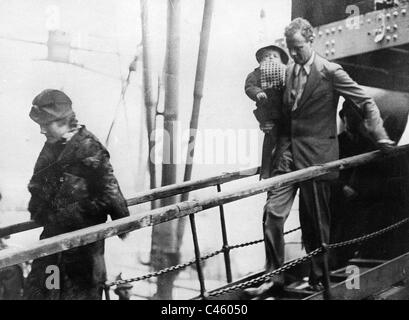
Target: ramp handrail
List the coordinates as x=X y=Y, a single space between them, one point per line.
x=154 y=194
x=95 y=233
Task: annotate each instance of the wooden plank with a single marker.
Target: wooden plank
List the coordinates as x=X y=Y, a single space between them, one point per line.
x=371 y=281
x=180 y=188
x=338 y=277
x=95 y=233
x=290 y=293
x=66 y=241
x=366 y=263
x=18 y=227
x=395 y=293
x=341 y=274
x=158 y=193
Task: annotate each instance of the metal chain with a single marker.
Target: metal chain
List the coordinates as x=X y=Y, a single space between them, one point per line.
x=368 y=236
x=293 y=263
x=187 y=264
x=268 y=275
x=246 y=244
x=258 y=241
x=163 y=271
x=292 y=230
x=150 y=275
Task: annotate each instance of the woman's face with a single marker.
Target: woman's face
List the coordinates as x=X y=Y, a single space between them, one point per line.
x=54 y=131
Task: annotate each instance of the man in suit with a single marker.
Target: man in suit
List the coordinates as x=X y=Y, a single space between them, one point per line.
x=308 y=137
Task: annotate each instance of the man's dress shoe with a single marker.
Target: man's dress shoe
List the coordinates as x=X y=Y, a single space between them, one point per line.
x=265 y=289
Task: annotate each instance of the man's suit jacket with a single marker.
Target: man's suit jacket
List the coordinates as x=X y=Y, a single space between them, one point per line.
x=311 y=129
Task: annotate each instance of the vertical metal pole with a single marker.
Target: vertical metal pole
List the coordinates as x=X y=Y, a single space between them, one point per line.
x=197 y=256
x=226 y=250
x=165 y=243
x=150 y=101
x=107 y=295
x=171 y=112
x=198 y=90
x=327 y=286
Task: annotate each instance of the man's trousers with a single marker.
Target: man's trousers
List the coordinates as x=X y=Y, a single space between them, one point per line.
x=277 y=209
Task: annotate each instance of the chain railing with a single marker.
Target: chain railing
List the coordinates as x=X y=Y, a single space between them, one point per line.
x=265 y=277
x=187 y=264
x=368 y=236
x=296 y=262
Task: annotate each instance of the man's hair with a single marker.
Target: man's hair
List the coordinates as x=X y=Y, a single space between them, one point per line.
x=299 y=25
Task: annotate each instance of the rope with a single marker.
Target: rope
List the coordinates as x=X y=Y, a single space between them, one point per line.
x=121 y=101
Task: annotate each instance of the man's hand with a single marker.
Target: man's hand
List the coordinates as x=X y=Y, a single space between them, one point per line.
x=261 y=97
x=349 y=192
x=386 y=145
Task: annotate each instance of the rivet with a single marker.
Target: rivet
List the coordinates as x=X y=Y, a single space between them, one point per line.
x=395 y=26
x=396 y=13
x=333 y=30
x=333 y=42
x=388 y=38
x=327 y=31
x=368 y=21
x=327 y=44
x=395 y=37
x=333 y=51
x=326 y=52
x=388 y=28
x=340 y=28
x=403 y=11
x=369 y=33
x=320 y=33
x=388 y=15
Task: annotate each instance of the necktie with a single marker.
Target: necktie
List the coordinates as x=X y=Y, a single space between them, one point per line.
x=299 y=81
